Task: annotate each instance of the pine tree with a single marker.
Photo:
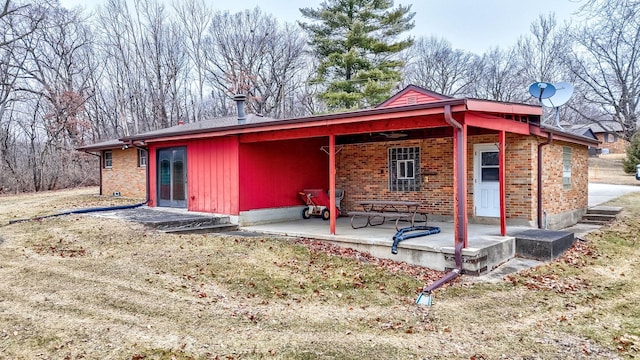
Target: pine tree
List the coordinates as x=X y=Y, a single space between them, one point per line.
x=633 y=155
x=355 y=41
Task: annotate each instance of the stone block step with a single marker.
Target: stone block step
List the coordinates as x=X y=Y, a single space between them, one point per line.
x=543 y=244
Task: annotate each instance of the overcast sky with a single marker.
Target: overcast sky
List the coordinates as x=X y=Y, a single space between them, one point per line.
x=472 y=25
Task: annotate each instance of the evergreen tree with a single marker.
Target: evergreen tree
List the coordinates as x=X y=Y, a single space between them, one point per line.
x=633 y=155
x=355 y=42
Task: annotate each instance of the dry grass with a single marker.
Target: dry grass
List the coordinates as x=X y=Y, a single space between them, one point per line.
x=607 y=169
x=93 y=288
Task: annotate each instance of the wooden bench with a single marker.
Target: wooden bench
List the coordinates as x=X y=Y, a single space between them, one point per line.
x=412 y=218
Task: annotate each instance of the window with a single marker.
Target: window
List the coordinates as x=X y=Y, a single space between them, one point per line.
x=404 y=169
x=107 y=159
x=490 y=166
x=566 y=167
x=609 y=138
x=142 y=158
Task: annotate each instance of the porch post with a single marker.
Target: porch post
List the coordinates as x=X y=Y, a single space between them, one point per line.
x=502 y=178
x=461 y=217
x=332 y=183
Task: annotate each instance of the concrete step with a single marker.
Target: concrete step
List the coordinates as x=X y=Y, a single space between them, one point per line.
x=593 y=222
x=187 y=221
x=605 y=218
x=201 y=229
x=604 y=210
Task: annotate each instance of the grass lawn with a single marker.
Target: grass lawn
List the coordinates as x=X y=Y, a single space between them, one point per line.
x=85 y=287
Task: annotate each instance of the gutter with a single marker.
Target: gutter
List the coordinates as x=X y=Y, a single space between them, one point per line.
x=147 y=193
x=540 y=211
x=99 y=166
x=448 y=117
x=451 y=275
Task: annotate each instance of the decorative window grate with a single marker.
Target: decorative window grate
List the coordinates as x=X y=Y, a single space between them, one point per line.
x=404 y=169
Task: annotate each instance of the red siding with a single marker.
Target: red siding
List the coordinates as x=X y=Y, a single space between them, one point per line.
x=272 y=173
x=412 y=97
x=213 y=175
x=151 y=163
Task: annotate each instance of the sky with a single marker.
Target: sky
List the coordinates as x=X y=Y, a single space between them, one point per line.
x=471 y=25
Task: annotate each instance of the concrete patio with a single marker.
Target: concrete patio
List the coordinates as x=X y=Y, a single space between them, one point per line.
x=486 y=248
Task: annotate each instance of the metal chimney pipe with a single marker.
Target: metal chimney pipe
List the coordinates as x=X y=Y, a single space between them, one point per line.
x=240 y=98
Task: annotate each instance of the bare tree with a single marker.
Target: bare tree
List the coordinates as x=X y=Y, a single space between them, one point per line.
x=605 y=60
x=540 y=53
x=54 y=84
x=251 y=52
x=146 y=65
x=498 y=80
x=195 y=18
x=435 y=65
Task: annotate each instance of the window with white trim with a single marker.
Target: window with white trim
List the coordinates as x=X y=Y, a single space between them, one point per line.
x=404 y=169
x=566 y=167
x=107 y=159
x=142 y=158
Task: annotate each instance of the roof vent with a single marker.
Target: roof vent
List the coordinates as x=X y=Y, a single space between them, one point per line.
x=240 y=98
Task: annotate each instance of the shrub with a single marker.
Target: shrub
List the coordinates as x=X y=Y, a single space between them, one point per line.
x=633 y=154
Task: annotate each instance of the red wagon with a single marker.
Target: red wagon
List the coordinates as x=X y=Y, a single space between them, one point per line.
x=317 y=204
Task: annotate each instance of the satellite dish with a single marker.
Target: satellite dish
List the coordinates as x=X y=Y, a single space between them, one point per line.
x=564 y=90
x=542 y=90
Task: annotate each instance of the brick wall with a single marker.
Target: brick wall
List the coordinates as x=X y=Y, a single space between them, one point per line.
x=619 y=146
x=362 y=170
x=555 y=199
x=125 y=176
x=520 y=174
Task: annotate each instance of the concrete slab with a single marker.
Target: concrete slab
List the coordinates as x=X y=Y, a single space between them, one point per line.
x=510 y=267
x=430 y=251
x=543 y=244
x=162 y=217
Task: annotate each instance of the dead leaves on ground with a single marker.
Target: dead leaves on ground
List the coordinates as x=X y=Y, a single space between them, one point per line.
x=59 y=250
x=581 y=254
x=418 y=272
x=628 y=343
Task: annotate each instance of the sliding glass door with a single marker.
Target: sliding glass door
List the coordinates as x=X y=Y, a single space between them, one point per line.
x=172 y=177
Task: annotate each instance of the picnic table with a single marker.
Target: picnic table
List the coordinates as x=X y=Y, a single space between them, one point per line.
x=377 y=212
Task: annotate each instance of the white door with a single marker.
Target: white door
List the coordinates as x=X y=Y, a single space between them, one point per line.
x=486 y=181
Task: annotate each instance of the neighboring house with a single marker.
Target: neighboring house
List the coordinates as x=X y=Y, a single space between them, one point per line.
x=417 y=145
x=609 y=135
x=123 y=168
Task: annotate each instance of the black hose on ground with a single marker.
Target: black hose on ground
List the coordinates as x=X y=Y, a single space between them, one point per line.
x=80 y=211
